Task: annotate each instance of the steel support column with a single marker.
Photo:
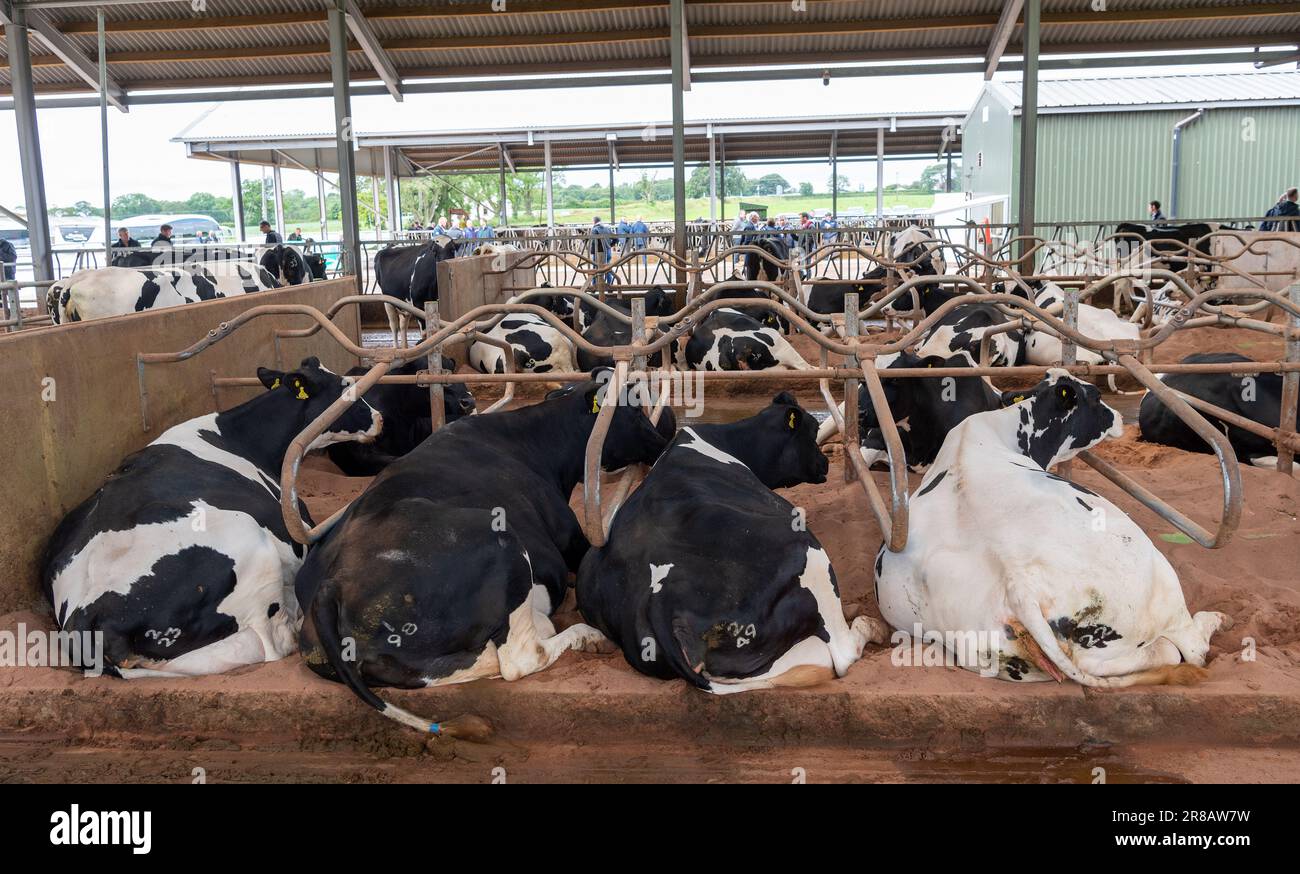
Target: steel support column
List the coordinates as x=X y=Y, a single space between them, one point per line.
x=501 y=194
x=103 y=136
x=676 y=15
x=277 y=191
x=880 y=172
x=237 y=199
x=835 y=174
x=321 y=198
x=550 y=192
x=344 y=137
x=1029 y=119
x=391 y=187
x=612 y=217
x=29 y=146
x=722 y=182
x=713 y=176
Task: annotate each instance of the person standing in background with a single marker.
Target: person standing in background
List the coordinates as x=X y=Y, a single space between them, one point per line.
x=272 y=237
x=1153 y=210
x=1286 y=206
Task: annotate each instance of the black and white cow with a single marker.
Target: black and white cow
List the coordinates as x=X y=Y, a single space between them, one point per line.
x=925 y=410
x=448 y=567
x=1164 y=239
x=605 y=330
x=773 y=243
x=756 y=608
x=963 y=328
x=914 y=247
x=728 y=339
x=287 y=264
x=181 y=559
x=1043 y=347
x=1257 y=397
x=1027 y=576
x=117 y=291
x=410 y=273
x=539 y=346
x=407 y=421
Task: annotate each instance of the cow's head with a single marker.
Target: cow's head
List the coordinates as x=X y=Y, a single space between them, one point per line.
x=309 y=390
x=631 y=438
x=1060 y=417
x=657 y=303
x=751 y=352
x=784 y=443
x=457 y=399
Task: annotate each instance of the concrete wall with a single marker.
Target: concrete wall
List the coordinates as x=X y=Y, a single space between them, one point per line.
x=71 y=403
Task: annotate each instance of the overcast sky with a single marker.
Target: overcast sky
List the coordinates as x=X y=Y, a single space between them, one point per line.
x=145 y=160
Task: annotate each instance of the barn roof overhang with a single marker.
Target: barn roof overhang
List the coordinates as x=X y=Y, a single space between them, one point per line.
x=774 y=140
x=258 y=48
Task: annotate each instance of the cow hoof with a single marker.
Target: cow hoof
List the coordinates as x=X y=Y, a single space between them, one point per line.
x=873 y=630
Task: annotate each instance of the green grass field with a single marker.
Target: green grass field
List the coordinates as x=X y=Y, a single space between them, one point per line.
x=662 y=210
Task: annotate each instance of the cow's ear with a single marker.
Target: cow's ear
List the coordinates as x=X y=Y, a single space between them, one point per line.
x=794 y=419
x=270 y=378
x=592 y=398
x=1067 y=395
x=1013 y=397
x=298 y=385
x=785 y=399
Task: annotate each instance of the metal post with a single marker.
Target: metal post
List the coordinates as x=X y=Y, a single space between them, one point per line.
x=437 y=407
x=880 y=172
x=852 y=329
x=321 y=198
x=103 y=136
x=29 y=146
x=612 y=218
x=1029 y=122
x=390 y=190
x=374 y=194
x=835 y=175
x=501 y=195
x=550 y=193
x=277 y=189
x=237 y=199
x=676 y=14
x=947 y=185
x=713 y=178
x=1069 y=350
x=722 y=181
x=344 y=137
x=1290 y=389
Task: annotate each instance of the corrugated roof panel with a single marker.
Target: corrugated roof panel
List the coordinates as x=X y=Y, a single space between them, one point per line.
x=1160 y=90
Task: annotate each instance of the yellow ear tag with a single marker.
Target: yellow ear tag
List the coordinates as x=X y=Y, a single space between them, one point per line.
x=1019 y=398
x=595 y=404
x=276 y=384
x=302 y=392
x=1064 y=394
x=790 y=422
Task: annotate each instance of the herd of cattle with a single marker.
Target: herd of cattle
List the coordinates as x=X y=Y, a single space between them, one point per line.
x=449 y=566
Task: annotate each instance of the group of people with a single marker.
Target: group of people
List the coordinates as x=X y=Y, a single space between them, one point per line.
x=460 y=229
x=1285 y=208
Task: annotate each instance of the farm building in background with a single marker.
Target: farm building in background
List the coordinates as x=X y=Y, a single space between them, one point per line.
x=1106 y=146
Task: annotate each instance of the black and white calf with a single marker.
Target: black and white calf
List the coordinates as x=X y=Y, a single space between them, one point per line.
x=1043 y=347
x=181 y=558
x=925 y=410
x=1257 y=397
x=410 y=273
x=1030 y=576
x=117 y=291
x=448 y=567
x=407 y=420
x=728 y=339
x=709 y=576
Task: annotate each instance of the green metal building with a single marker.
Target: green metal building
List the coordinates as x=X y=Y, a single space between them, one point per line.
x=1106 y=146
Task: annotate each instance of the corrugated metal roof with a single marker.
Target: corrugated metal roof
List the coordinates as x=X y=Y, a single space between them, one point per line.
x=1135 y=91
x=258 y=42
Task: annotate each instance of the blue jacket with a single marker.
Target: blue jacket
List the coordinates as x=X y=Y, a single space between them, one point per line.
x=1282 y=208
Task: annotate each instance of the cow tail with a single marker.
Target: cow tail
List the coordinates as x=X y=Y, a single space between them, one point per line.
x=1049 y=649
x=671 y=646
x=325 y=615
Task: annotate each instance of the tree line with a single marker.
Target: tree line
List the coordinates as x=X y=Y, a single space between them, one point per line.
x=426 y=198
